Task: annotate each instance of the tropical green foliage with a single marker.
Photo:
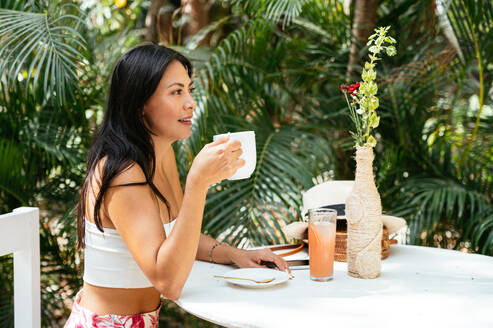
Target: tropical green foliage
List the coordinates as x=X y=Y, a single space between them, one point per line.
x=275 y=67
x=52 y=89
x=419 y=163
x=42 y=139
x=42 y=40
x=449 y=192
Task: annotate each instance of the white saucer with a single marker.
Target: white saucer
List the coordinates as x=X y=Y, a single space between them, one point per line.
x=256 y=274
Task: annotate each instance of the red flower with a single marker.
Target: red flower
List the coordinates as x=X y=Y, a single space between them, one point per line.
x=353 y=88
x=344 y=87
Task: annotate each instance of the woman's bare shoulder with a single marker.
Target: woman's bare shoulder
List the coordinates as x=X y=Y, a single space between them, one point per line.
x=130 y=181
x=130 y=196
x=131 y=174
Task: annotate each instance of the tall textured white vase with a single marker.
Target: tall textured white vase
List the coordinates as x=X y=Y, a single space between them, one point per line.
x=364 y=218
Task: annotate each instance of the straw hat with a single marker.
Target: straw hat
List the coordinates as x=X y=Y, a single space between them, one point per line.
x=332 y=194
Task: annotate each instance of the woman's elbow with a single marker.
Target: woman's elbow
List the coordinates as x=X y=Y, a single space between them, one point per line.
x=172 y=295
x=170 y=291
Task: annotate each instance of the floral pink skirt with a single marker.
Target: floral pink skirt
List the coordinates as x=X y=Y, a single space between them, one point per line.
x=82 y=318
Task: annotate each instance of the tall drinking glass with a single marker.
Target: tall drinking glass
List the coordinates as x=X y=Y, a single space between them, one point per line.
x=321 y=243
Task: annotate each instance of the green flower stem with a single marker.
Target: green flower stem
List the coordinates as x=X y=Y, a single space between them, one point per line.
x=355 y=119
x=367 y=134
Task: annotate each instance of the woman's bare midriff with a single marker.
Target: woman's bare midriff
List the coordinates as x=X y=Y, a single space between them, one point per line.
x=119 y=301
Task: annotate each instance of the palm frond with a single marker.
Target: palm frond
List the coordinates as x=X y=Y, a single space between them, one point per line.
x=472 y=24
x=273 y=10
x=12 y=156
x=480 y=231
x=15 y=4
x=35 y=144
x=288 y=8
x=430 y=201
x=42 y=46
x=326 y=20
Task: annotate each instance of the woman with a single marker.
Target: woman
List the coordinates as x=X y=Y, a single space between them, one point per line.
x=139 y=230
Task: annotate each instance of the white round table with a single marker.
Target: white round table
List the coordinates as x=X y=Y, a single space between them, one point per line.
x=419 y=287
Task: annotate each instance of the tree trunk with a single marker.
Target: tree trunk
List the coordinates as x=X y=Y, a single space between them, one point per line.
x=164 y=26
x=365 y=21
x=152 y=34
x=199 y=15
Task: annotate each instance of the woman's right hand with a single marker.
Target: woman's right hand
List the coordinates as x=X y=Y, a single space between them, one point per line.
x=217 y=161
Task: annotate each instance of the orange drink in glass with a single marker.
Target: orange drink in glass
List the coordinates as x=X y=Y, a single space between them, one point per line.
x=321 y=243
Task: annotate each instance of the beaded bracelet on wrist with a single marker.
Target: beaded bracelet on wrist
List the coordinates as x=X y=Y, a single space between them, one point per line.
x=210 y=252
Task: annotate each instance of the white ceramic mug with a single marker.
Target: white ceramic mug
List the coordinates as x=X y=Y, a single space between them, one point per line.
x=247 y=139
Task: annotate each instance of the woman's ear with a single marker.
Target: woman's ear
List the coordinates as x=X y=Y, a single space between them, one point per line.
x=144 y=117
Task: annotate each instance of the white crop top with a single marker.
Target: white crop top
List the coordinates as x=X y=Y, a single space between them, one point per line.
x=109 y=263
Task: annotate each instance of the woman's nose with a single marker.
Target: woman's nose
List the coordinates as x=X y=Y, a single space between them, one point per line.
x=190 y=103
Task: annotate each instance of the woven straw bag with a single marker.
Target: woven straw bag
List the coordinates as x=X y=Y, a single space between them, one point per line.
x=341 y=241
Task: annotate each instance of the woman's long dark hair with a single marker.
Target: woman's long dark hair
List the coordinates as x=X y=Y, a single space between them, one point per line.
x=123 y=138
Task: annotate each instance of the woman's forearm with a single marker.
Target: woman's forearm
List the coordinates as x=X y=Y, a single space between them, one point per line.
x=178 y=252
x=221 y=253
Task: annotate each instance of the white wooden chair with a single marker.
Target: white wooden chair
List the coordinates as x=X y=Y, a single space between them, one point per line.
x=19 y=234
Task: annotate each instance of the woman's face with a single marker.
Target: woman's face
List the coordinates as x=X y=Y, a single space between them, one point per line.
x=168 y=112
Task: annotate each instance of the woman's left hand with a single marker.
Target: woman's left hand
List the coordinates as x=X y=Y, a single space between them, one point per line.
x=254 y=258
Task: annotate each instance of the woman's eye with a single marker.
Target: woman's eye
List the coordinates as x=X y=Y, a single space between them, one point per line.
x=192 y=90
x=176 y=92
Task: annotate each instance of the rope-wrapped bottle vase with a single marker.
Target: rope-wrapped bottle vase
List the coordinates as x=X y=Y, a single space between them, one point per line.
x=364 y=218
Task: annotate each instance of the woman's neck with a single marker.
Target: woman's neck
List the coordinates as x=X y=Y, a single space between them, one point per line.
x=162 y=149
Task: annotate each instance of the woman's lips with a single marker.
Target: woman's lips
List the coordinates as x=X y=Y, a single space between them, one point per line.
x=186 y=121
